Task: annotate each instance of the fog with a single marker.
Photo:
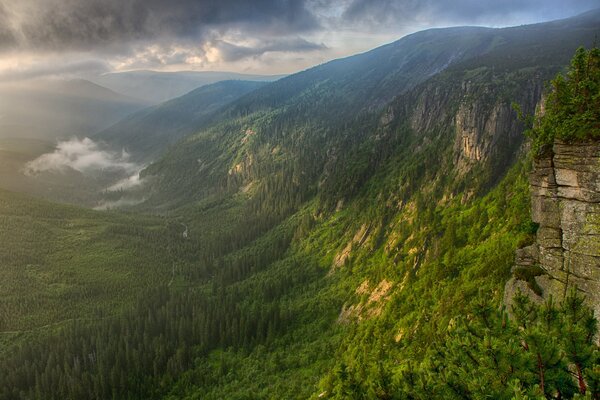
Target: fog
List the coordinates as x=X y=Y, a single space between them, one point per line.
x=128 y=183
x=58 y=109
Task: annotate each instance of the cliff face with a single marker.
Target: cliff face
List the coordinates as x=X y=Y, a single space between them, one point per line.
x=565 y=189
x=479 y=111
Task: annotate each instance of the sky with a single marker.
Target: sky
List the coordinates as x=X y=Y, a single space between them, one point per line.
x=78 y=38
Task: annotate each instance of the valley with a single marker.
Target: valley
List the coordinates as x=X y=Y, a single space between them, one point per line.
x=344 y=232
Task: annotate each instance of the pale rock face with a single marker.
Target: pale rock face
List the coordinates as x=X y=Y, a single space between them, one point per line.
x=485 y=125
x=565 y=188
x=480 y=129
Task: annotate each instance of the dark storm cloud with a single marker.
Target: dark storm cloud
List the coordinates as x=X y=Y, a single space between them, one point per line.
x=7 y=38
x=114 y=26
x=163 y=34
x=433 y=12
x=232 y=52
x=91 y=24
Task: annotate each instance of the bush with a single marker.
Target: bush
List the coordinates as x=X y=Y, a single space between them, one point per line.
x=573 y=105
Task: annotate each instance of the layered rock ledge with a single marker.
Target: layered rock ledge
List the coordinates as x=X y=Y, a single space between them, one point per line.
x=565 y=202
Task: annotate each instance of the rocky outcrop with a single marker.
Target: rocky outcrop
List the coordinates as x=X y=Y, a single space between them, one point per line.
x=487 y=127
x=478 y=130
x=565 y=189
x=367 y=307
x=360 y=237
x=478 y=110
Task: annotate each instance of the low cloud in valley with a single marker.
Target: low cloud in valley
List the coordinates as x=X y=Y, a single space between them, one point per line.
x=83 y=155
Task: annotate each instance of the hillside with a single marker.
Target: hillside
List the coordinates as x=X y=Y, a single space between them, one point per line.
x=148 y=133
x=350 y=230
x=136 y=139
x=301 y=129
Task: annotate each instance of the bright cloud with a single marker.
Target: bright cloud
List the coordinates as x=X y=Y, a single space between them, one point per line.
x=130 y=182
x=83 y=155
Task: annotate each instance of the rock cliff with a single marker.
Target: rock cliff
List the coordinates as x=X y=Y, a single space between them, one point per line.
x=478 y=111
x=565 y=191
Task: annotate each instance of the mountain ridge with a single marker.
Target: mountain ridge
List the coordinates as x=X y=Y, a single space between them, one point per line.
x=53 y=109
x=324 y=102
x=158 y=86
x=147 y=133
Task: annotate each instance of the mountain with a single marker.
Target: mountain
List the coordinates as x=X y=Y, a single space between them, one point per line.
x=157 y=87
x=318 y=119
x=144 y=135
x=149 y=132
x=368 y=81
x=52 y=109
x=345 y=232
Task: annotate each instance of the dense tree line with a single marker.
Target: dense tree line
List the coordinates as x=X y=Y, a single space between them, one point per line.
x=141 y=353
x=545 y=351
x=572 y=109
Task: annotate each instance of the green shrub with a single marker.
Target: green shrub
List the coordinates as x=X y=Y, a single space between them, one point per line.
x=572 y=110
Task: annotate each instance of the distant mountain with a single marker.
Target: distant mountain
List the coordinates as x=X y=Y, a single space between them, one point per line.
x=369 y=80
x=147 y=133
x=157 y=87
x=52 y=109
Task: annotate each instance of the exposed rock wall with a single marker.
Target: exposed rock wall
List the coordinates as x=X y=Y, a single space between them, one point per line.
x=487 y=127
x=480 y=112
x=565 y=189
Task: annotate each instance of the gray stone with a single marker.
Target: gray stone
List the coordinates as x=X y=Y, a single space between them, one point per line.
x=551 y=259
x=527 y=256
x=548 y=237
x=566 y=177
x=565 y=202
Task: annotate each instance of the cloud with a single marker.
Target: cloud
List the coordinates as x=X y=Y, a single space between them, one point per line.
x=231 y=52
x=130 y=182
x=240 y=35
x=95 y=24
x=116 y=204
x=57 y=68
x=155 y=56
x=7 y=38
x=154 y=34
x=390 y=13
x=227 y=50
x=81 y=155
x=87 y=157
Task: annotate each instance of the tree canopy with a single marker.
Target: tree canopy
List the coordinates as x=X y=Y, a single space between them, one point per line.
x=572 y=109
